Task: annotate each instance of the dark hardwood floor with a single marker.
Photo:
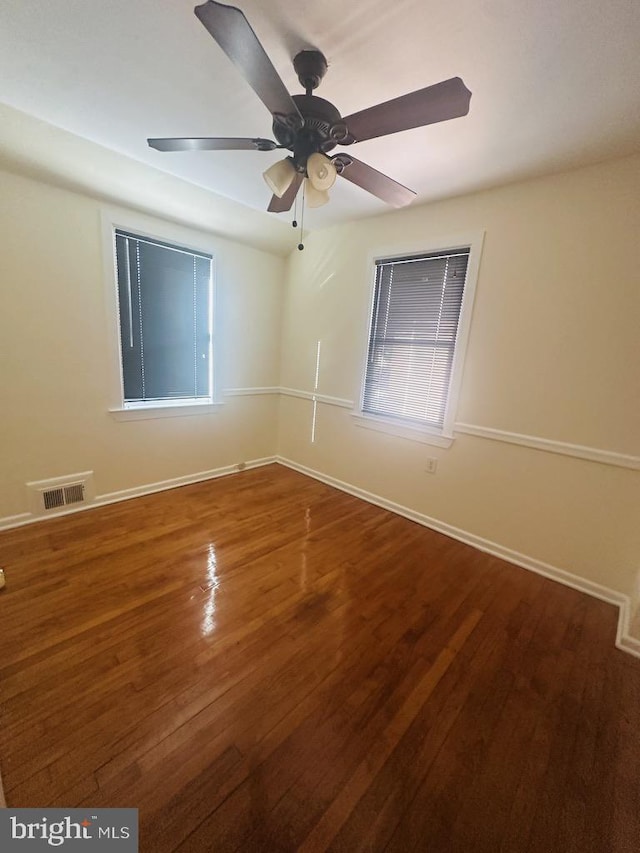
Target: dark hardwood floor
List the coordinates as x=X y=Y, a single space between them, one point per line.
x=263 y=663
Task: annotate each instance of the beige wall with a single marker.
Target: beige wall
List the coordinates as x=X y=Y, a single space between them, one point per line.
x=553 y=353
x=56 y=353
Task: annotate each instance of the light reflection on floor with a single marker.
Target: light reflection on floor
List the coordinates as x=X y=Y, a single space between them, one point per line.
x=208 y=625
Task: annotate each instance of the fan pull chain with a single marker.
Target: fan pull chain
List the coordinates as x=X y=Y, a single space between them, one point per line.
x=295 y=212
x=301 y=244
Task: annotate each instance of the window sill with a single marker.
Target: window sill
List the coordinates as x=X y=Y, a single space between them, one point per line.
x=424 y=436
x=167 y=410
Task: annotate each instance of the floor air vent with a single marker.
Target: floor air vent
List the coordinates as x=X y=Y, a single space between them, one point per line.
x=61 y=492
x=54 y=498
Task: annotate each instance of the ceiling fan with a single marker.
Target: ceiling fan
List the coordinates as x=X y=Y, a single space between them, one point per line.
x=310 y=127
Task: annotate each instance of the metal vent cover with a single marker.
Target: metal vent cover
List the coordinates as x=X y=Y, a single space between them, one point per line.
x=71 y=494
x=60 y=492
x=53 y=498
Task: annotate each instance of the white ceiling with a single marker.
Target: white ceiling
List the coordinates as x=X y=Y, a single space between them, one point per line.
x=555 y=83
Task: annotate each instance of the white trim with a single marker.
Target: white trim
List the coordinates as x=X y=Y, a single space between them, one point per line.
x=562 y=448
x=19 y=520
x=476 y=245
x=402 y=430
x=296 y=392
x=333 y=401
x=624 y=640
x=315 y=397
x=161 y=410
x=23 y=519
x=290 y=392
x=251 y=392
x=579 y=451
x=108 y=220
x=176 y=482
x=593 y=454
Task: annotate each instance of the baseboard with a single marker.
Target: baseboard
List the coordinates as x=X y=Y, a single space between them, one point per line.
x=10 y=521
x=176 y=482
x=624 y=640
x=137 y=491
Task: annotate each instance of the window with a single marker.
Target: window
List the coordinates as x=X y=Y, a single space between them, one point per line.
x=417 y=306
x=165 y=308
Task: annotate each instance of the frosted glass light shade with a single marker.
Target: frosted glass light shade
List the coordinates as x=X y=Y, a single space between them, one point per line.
x=279 y=176
x=321 y=171
x=314 y=197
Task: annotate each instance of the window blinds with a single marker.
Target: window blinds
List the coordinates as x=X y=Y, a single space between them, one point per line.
x=414 y=323
x=164 y=300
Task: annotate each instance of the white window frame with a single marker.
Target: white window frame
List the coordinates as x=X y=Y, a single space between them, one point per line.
x=157 y=230
x=444 y=436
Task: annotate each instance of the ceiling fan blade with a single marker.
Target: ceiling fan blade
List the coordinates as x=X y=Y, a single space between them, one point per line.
x=234 y=34
x=280 y=205
x=209 y=143
x=441 y=102
x=373 y=181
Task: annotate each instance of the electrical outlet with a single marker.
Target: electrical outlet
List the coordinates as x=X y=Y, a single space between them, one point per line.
x=432 y=465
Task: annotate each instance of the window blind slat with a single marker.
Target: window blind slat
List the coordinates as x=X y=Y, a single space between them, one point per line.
x=414 y=325
x=164 y=294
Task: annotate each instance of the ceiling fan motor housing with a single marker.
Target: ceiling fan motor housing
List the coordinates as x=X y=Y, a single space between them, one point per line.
x=322 y=125
x=322 y=129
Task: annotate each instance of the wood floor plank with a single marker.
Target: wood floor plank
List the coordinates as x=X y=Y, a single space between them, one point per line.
x=263 y=663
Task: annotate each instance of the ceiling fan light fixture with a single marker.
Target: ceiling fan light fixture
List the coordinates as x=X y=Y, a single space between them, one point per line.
x=314 y=197
x=279 y=176
x=321 y=171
